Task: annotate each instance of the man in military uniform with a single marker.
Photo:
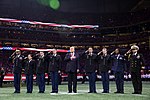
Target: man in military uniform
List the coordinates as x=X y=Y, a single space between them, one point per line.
x=118 y=68
x=90 y=68
x=136 y=61
x=30 y=66
x=54 y=69
x=17 y=59
x=40 y=72
x=104 y=62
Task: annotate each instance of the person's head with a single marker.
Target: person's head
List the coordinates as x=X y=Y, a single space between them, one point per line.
x=134 y=48
x=117 y=51
x=54 y=51
x=104 y=50
x=72 y=49
x=41 y=53
x=90 y=49
x=29 y=56
x=18 y=52
x=1 y=68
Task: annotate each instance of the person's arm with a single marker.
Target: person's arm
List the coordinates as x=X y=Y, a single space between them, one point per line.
x=67 y=58
x=77 y=63
x=34 y=67
x=109 y=62
x=125 y=64
x=142 y=60
x=60 y=63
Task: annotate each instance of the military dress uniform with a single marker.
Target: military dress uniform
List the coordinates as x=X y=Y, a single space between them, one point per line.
x=40 y=72
x=54 y=67
x=90 y=69
x=104 y=63
x=18 y=64
x=30 y=66
x=118 y=68
x=136 y=62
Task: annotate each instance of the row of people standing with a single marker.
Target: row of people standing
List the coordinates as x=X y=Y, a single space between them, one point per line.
x=115 y=62
x=36 y=66
x=104 y=60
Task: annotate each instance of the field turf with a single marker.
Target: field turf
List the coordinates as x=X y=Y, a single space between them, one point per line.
x=6 y=93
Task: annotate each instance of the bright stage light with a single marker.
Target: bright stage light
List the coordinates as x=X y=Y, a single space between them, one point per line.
x=54 y=4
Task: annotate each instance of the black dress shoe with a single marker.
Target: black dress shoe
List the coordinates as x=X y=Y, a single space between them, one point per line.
x=75 y=91
x=41 y=91
x=105 y=92
x=135 y=93
x=16 y=92
x=117 y=92
x=89 y=92
x=94 y=92
x=69 y=92
x=52 y=92
x=122 y=92
x=29 y=92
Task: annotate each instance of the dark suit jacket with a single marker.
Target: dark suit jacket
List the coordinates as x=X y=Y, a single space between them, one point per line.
x=72 y=65
x=90 y=62
x=30 y=67
x=54 y=63
x=104 y=62
x=118 y=63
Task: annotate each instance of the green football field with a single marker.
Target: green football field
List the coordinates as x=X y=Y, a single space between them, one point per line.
x=6 y=93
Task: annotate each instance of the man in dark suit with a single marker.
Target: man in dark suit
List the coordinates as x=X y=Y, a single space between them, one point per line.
x=136 y=61
x=118 y=68
x=54 y=69
x=71 y=68
x=40 y=71
x=104 y=62
x=90 y=68
x=17 y=59
x=29 y=71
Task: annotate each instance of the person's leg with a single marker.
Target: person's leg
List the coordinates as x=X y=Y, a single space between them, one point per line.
x=69 y=82
x=15 y=82
x=93 y=82
x=1 y=80
x=117 y=82
x=90 y=84
x=30 y=83
x=39 y=81
x=107 y=82
x=75 y=82
x=18 y=79
x=43 y=82
x=56 y=81
x=84 y=78
x=121 y=82
x=52 y=81
x=27 y=83
x=103 y=81
x=139 y=81
x=134 y=82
